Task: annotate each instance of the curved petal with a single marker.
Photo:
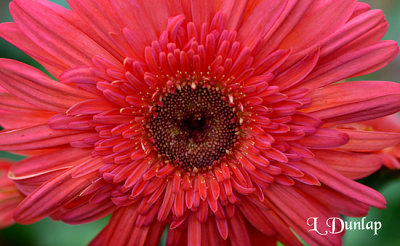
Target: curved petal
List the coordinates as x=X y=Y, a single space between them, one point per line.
x=351 y=165
x=351 y=31
x=355 y=101
x=354 y=63
x=346 y=186
x=260 y=22
x=123 y=221
x=34 y=87
x=51 y=196
x=39 y=137
x=369 y=141
x=88 y=212
x=317 y=23
x=99 y=21
x=47 y=26
x=233 y=10
x=12 y=34
x=295 y=214
x=324 y=139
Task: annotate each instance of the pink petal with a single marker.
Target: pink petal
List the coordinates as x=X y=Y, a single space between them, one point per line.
x=88 y=212
x=260 y=21
x=351 y=30
x=349 y=164
x=91 y=106
x=338 y=103
x=297 y=72
x=317 y=23
x=238 y=230
x=34 y=87
x=324 y=139
x=290 y=17
x=79 y=75
x=13 y=35
x=369 y=141
x=354 y=63
x=50 y=196
x=100 y=21
x=194 y=230
x=46 y=24
x=122 y=230
x=360 y=8
x=234 y=12
x=332 y=199
x=40 y=164
x=389 y=123
x=346 y=186
x=13 y=120
x=144 y=20
x=38 y=137
x=295 y=214
x=201 y=11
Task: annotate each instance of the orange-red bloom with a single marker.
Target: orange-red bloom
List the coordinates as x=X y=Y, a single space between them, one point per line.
x=9 y=196
x=213 y=117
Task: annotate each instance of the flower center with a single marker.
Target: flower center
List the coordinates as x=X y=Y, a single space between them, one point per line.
x=194 y=127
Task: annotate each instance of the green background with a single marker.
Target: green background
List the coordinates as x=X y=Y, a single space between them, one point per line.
x=50 y=233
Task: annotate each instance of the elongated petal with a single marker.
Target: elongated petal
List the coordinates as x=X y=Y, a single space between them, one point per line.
x=234 y=12
x=334 y=199
x=324 y=139
x=358 y=62
x=352 y=30
x=101 y=22
x=38 y=137
x=122 y=230
x=50 y=196
x=369 y=141
x=317 y=23
x=346 y=186
x=349 y=164
x=297 y=72
x=13 y=35
x=88 y=212
x=338 y=103
x=295 y=214
x=49 y=162
x=46 y=25
x=34 y=87
x=290 y=17
x=260 y=21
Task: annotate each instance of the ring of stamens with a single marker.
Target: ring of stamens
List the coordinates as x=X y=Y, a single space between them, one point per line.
x=194 y=127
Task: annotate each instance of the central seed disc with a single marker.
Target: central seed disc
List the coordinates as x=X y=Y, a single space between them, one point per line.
x=194 y=127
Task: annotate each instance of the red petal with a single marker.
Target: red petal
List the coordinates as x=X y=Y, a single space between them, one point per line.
x=46 y=24
x=349 y=164
x=34 y=87
x=357 y=62
x=324 y=138
x=50 y=196
x=369 y=141
x=346 y=186
x=355 y=101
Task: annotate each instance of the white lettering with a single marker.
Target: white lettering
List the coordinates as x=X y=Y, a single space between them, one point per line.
x=313 y=221
x=333 y=225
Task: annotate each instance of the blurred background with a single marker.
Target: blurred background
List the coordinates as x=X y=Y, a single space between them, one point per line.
x=50 y=233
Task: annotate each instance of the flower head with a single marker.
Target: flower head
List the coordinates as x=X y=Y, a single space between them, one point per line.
x=215 y=117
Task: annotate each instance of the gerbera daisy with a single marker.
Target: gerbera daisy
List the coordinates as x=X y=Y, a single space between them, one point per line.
x=385 y=129
x=9 y=196
x=213 y=117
